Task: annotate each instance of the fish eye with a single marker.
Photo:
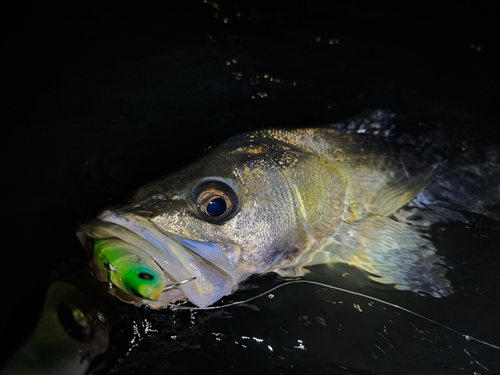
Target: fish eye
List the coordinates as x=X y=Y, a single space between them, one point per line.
x=215 y=200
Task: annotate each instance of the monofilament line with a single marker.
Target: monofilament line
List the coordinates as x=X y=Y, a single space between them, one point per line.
x=467 y=337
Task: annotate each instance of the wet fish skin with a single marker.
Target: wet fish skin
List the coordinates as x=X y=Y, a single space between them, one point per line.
x=303 y=197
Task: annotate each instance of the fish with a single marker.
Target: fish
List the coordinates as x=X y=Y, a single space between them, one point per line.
x=268 y=200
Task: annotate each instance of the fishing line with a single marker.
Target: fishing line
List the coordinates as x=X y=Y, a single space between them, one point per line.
x=466 y=337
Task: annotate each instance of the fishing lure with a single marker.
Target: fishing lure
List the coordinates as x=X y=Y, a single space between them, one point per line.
x=129 y=269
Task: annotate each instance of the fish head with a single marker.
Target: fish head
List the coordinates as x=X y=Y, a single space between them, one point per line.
x=215 y=222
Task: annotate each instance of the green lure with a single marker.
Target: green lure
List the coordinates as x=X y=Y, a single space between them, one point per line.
x=129 y=269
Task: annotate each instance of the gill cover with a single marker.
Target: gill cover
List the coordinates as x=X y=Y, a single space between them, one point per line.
x=129 y=269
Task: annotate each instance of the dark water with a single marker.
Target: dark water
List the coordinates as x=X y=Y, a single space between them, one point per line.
x=105 y=100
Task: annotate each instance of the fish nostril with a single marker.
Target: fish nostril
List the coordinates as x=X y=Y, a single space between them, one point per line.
x=146 y=276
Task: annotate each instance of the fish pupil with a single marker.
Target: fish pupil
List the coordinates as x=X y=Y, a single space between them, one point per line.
x=146 y=276
x=216 y=207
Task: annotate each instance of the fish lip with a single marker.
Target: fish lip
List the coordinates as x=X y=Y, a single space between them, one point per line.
x=140 y=232
x=95 y=229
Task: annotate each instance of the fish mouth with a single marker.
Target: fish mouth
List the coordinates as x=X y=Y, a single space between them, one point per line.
x=202 y=270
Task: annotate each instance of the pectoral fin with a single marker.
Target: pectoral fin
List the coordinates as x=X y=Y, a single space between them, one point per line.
x=397 y=253
x=396 y=194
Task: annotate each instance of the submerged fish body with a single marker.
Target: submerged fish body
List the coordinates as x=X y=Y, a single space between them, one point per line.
x=275 y=200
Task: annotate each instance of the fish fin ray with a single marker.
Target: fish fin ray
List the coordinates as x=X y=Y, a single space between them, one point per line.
x=397 y=253
x=396 y=194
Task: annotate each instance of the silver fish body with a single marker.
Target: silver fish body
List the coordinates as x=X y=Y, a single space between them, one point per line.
x=277 y=200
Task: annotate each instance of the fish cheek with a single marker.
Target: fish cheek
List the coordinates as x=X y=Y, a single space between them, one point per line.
x=268 y=222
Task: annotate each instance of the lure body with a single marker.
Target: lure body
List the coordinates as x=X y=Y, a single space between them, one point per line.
x=129 y=268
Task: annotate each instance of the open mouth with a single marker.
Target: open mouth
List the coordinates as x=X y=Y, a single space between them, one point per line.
x=197 y=271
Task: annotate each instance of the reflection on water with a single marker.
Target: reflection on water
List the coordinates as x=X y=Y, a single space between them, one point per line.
x=72 y=331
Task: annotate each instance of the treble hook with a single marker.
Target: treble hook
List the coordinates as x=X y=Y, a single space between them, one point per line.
x=170 y=287
x=110 y=269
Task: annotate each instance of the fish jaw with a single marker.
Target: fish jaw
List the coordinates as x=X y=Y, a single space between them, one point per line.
x=205 y=264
